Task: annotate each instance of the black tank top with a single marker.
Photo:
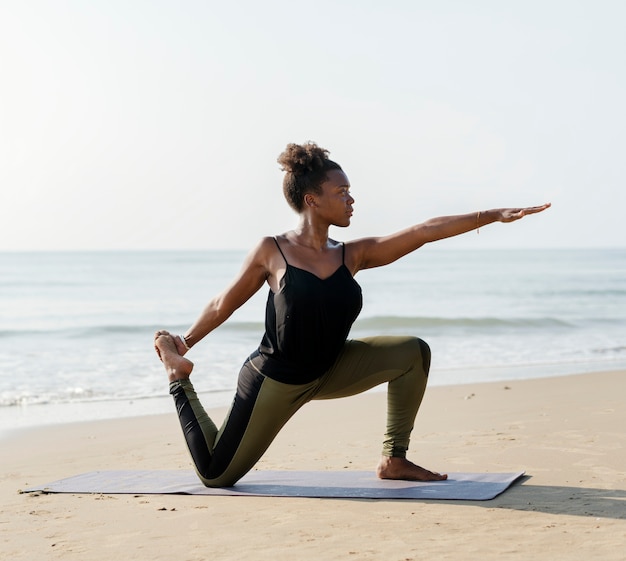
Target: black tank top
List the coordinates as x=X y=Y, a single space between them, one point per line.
x=306 y=323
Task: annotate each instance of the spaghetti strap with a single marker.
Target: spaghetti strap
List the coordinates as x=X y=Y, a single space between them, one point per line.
x=281 y=251
x=343 y=253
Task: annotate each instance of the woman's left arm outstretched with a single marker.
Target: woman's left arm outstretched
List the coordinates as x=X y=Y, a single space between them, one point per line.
x=371 y=252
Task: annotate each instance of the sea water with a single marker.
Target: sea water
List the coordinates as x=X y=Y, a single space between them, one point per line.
x=76 y=328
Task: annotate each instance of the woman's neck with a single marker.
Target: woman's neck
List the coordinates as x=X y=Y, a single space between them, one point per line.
x=314 y=236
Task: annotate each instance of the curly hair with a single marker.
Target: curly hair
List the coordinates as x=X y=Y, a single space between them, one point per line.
x=305 y=167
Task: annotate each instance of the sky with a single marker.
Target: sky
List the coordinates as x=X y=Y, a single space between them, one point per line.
x=156 y=124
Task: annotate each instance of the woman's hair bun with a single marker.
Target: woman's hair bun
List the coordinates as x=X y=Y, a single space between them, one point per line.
x=303 y=158
x=306 y=167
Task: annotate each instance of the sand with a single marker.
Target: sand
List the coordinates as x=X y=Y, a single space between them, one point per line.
x=567 y=433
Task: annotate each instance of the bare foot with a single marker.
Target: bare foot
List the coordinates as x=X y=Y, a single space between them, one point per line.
x=401 y=468
x=176 y=366
x=180 y=346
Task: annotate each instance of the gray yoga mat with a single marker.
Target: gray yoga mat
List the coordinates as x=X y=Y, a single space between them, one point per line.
x=321 y=484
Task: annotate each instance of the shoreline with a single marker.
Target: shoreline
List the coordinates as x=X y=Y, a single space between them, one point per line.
x=29 y=416
x=565 y=432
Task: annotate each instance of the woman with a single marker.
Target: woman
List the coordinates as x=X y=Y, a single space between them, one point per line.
x=313 y=301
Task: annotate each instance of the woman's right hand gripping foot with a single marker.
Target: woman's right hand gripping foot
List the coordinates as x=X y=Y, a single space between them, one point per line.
x=168 y=349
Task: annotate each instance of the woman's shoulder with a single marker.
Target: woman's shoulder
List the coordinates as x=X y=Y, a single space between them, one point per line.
x=264 y=247
x=356 y=252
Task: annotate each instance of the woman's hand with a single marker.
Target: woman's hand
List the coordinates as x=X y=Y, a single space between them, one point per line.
x=512 y=214
x=181 y=348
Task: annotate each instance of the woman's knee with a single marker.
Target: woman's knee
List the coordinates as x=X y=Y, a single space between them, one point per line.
x=425 y=348
x=421 y=351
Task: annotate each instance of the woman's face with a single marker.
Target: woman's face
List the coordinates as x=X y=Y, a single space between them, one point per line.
x=335 y=201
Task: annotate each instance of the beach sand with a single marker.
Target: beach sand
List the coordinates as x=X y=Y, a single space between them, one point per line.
x=567 y=433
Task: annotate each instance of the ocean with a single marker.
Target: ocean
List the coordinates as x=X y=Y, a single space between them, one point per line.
x=76 y=328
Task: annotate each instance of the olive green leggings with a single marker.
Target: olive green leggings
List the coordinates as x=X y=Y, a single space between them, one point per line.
x=262 y=406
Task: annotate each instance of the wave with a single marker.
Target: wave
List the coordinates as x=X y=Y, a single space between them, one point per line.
x=373 y=323
x=381 y=322
x=89 y=331
x=609 y=350
x=61 y=397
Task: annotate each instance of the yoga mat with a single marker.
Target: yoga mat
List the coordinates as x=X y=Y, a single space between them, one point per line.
x=320 y=484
